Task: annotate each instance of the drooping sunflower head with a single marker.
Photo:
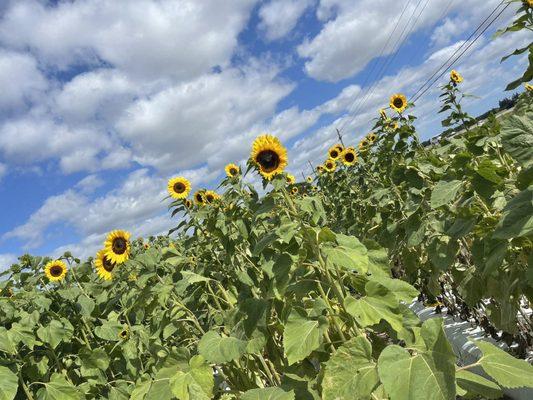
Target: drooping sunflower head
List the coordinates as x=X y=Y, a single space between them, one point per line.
x=335 y=151
x=349 y=156
x=363 y=144
x=383 y=113
x=117 y=246
x=269 y=155
x=104 y=267
x=330 y=165
x=294 y=190
x=372 y=137
x=398 y=102
x=211 y=196
x=55 y=270
x=455 y=76
x=199 y=198
x=232 y=170
x=528 y=86
x=291 y=180
x=179 y=187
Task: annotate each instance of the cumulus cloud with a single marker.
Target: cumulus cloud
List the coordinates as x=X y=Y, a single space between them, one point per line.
x=279 y=17
x=6 y=260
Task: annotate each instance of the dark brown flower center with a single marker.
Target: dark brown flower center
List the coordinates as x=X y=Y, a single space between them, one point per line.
x=268 y=160
x=56 y=271
x=349 y=157
x=179 y=187
x=119 y=245
x=398 y=102
x=124 y=333
x=209 y=198
x=108 y=265
x=233 y=171
x=199 y=198
x=334 y=153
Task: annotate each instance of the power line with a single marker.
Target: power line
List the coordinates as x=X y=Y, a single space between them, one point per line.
x=414 y=97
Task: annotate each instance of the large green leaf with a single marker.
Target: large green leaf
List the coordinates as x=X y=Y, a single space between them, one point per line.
x=444 y=192
x=7 y=345
x=271 y=393
x=217 y=349
x=351 y=372
x=8 y=384
x=517 y=218
x=55 y=332
x=302 y=335
x=427 y=374
x=109 y=330
x=475 y=384
x=350 y=254
x=517 y=137
x=508 y=371
x=194 y=384
x=58 y=388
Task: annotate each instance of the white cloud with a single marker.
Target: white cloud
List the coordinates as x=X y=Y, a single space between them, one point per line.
x=89 y=184
x=177 y=38
x=355 y=32
x=449 y=29
x=20 y=80
x=3 y=170
x=279 y=17
x=6 y=260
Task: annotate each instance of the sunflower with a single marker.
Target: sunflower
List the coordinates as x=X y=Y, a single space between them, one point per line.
x=124 y=334
x=530 y=3
x=348 y=156
x=232 y=170
x=371 y=137
x=398 y=102
x=330 y=165
x=294 y=190
x=178 y=187
x=456 y=76
x=319 y=169
x=211 y=196
x=55 y=270
x=383 y=113
x=199 y=197
x=103 y=266
x=528 y=86
x=117 y=246
x=290 y=179
x=335 y=151
x=269 y=155
x=363 y=144
x=187 y=203
x=309 y=179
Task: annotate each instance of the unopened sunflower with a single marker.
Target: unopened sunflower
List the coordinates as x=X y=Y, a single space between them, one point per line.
x=199 y=197
x=291 y=180
x=383 y=113
x=371 y=137
x=349 y=156
x=456 y=76
x=211 y=196
x=178 y=187
x=269 y=155
x=335 y=151
x=363 y=144
x=232 y=170
x=55 y=270
x=330 y=165
x=117 y=246
x=104 y=267
x=398 y=102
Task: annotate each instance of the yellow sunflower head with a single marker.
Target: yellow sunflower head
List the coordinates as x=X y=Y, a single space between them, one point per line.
x=528 y=86
x=291 y=180
x=349 y=156
x=372 y=137
x=330 y=165
x=319 y=169
x=363 y=144
x=269 y=155
x=211 y=196
x=117 y=246
x=199 y=197
x=178 y=187
x=309 y=179
x=455 y=76
x=383 y=113
x=232 y=170
x=530 y=3
x=335 y=151
x=55 y=270
x=294 y=190
x=104 y=267
x=398 y=102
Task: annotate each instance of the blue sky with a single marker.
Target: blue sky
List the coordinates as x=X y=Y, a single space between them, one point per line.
x=102 y=101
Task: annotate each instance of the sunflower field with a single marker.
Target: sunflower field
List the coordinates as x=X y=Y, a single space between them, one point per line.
x=302 y=290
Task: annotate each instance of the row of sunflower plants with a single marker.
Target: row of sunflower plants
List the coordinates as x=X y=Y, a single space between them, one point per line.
x=253 y=297
x=455 y=217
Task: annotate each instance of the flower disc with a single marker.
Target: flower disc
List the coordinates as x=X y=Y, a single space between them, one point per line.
x=117 y=246
x=269 y=155
x=104 y=267
x=55 y=271
x=178 y=187
x=398 y=102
